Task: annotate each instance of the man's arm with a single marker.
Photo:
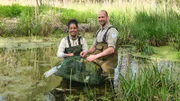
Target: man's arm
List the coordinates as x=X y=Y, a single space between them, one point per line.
x=91 y=50
x=106 y=52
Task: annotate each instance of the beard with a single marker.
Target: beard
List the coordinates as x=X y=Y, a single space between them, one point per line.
x=103 y=23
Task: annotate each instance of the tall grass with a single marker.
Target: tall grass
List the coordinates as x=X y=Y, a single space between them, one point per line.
x=150 y=84
x=147 y=26
x=43 y=20
x=80 y=16
x=31 y=20
x=139 y=22
x=10 y=11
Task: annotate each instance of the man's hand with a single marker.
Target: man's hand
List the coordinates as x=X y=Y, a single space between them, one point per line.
x=106 y=52
x=84 y=53
x=91 y=58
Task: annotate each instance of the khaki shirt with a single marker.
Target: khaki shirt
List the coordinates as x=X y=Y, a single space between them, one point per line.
x=111 y=37
x=64 y=44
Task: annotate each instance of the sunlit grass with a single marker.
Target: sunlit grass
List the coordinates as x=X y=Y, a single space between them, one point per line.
x=141 y=23
x=150 y=84
x=138 y=22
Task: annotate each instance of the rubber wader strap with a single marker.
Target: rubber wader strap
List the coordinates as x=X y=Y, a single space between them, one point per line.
x=105 y=35
x=69 y=41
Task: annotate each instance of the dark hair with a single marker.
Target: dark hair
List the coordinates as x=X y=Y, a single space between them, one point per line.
x=72 y=21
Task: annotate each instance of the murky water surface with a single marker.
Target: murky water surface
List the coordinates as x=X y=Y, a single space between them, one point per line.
x=21 y=71
x=22 y=66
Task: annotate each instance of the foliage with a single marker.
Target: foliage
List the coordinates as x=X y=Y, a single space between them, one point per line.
x=16 y=10
x=151 y=84
x=40 y=20
x=10 y=11
x=178 y=46
x=121 y=20
x=80 y=16
x=139 y=25
x=149 y=27
x=155 y=28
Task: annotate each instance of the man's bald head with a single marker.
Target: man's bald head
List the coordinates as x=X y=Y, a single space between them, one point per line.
x=103 y=18
x=105 y=12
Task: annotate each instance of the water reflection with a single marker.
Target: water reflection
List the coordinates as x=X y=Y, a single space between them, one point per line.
x=129 y=65
x=21 y=73
x=1 y=99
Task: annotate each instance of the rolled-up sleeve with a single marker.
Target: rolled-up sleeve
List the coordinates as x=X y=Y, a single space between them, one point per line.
x=84 y=44
x=112 y=37
x=94 y=43
x=61 y=48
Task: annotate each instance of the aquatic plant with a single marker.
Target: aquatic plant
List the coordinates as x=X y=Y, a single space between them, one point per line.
x=150 y=84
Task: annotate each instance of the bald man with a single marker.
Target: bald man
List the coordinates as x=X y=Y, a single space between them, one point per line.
x=104 y=49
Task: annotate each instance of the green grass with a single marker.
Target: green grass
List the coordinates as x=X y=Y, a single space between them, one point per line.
x=149 y=85
x=80 y=16
x=10 y=11
x=143 y=25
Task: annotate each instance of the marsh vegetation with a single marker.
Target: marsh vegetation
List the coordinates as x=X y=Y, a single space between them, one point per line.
x=149 y=34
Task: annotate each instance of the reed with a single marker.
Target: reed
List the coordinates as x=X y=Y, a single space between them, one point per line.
x=139 y=22
x=150 y=84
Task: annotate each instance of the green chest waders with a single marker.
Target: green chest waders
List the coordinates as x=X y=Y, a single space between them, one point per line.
x=109 y=62
x=79 y=69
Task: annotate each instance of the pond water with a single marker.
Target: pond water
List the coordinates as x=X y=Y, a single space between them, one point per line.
x=22 y=66
x=128 y=62
x=21 y=72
